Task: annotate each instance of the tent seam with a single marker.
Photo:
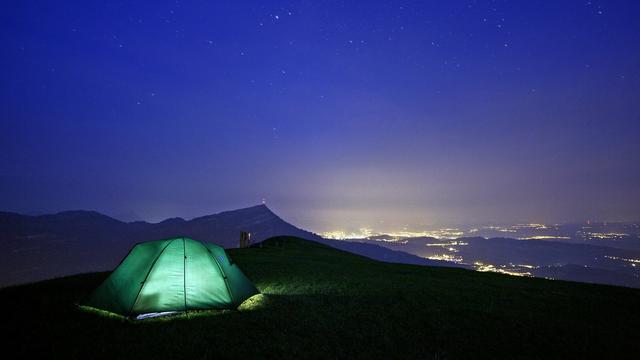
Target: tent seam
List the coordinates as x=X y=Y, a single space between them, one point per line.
x=144 y=281
x=224 y=274
x=184 y=272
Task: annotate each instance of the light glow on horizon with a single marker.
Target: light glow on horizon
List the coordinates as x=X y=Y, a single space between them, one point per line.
x=632 y=261
x=445 y=257
x=544 y=237
x=394 y=236
x=482 y=267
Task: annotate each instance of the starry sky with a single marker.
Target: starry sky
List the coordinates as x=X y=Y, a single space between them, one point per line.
x=341 y=114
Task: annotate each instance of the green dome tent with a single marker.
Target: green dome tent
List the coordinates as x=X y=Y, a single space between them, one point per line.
x=176 y=274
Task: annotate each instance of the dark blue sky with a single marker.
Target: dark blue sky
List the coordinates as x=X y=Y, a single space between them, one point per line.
x=340 y=114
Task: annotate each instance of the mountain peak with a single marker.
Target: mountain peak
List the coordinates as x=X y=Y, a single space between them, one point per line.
x=262 y=206
x=255 y=210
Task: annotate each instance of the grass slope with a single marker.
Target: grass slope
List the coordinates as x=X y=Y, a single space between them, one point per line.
x=319 y=302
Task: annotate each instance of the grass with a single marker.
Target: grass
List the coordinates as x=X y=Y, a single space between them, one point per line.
x=319 y=302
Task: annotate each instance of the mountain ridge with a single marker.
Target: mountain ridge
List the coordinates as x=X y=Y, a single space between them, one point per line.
x=44 y=246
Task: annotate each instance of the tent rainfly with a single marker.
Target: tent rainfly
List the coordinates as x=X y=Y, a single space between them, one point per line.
x=178 y=274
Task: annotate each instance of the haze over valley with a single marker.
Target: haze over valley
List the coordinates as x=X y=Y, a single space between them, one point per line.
x=82 y=241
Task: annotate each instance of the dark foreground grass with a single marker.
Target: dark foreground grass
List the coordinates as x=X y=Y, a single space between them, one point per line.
x=318 y=302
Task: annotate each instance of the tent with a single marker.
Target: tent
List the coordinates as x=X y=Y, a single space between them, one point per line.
x=177 y=274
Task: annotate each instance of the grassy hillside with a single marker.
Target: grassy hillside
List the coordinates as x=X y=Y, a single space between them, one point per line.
x=319 y=302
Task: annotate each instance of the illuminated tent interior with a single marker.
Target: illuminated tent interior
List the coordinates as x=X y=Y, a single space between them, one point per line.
x=178 y=274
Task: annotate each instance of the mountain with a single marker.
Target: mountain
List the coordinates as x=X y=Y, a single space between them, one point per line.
x=40 y=247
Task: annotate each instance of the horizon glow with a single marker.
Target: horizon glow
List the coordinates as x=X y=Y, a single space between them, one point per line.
x=391 y=116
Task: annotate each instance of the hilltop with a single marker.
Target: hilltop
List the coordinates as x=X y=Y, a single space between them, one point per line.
x=319 y=302
x=40 y=247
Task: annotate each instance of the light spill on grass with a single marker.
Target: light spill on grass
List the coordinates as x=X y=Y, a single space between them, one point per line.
x=169 y=316
x=256 y=302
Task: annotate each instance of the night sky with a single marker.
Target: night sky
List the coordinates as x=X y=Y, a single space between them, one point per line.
x=340 y=114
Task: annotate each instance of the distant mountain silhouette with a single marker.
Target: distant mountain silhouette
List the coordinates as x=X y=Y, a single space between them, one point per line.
x=40 y=247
